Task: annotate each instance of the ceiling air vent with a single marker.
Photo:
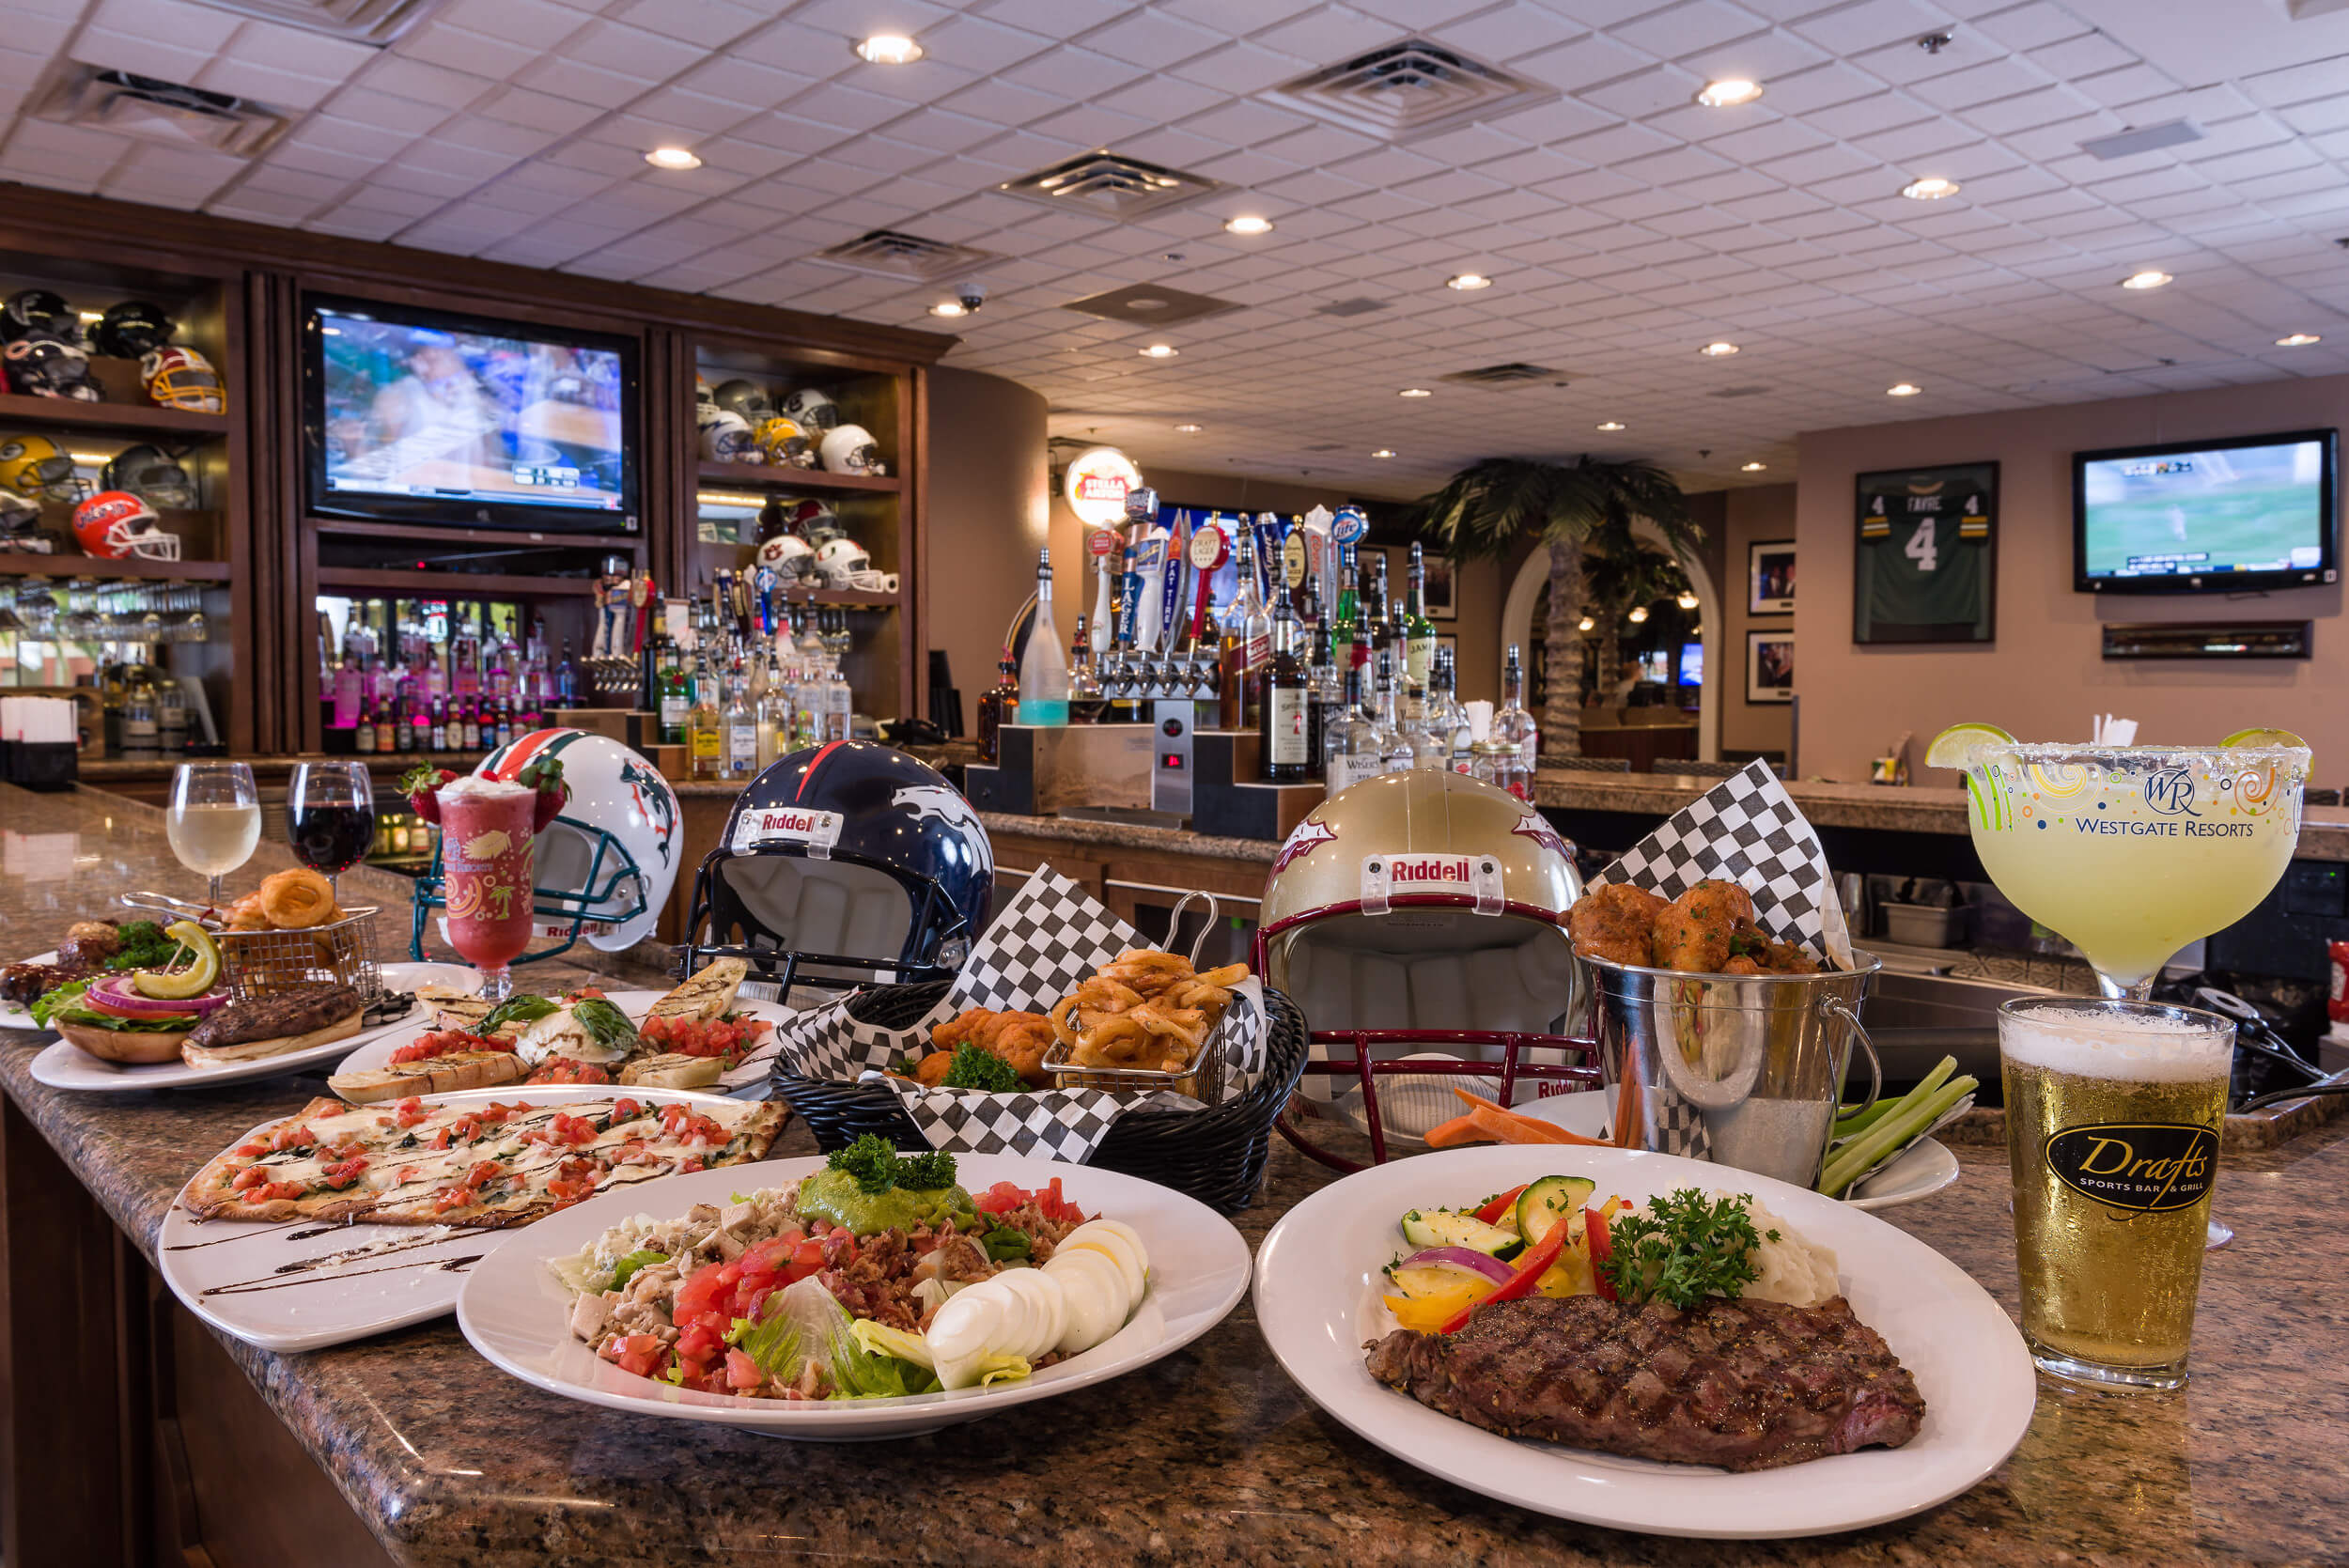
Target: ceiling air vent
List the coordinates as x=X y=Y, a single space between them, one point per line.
x=1409 y=88
x=1516 y=373
x=2137 y=139
x=376 y=23
x=159 y=111
x=1359 y=305
x=885 y=253
x=1111 y=185
x=1151 y=305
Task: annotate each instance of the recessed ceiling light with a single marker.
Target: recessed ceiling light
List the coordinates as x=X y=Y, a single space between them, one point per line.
x=1465 y=281
x=1717 y=351
x=889 y=49
x=950 y=307
x=1729 y=92
x=1187 y=430
x=1931 y=188
x=1248 y=223
x=1384 y=452
x=2298 y=340
x=1612 y=424
x=2149 y=278
x=1160 y=351
x=673 y=158
x=1752 y=468
x=1903 y=389
x=1414 y=392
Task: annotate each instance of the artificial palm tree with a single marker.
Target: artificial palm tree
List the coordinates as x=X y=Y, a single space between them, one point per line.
x=1619 y=575
x=1489 y=505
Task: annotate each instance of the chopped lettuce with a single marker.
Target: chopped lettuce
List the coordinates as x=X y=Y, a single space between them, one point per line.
x=46 y=1004
x=804 y=1324
x=626 y=1268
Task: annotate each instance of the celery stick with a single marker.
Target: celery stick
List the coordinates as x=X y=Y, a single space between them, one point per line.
x=1893 y=1132
x=1860 y=1122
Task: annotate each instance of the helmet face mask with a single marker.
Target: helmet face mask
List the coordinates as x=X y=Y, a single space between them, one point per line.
x=851 y=449
x=746 y=397
x=34 y=468
x=811 y=410
x=781 y=441
x=147 y=473
x=42 y=364
x=842 y=563
x=726 y=438
x=180 y=377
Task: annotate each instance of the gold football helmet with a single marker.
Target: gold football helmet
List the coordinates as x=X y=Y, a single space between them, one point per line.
x=1422 y=909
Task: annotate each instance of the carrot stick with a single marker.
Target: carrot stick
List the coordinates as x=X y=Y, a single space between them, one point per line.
x=1626 y=1109
x=1536 y=1129
x=1452 y=1134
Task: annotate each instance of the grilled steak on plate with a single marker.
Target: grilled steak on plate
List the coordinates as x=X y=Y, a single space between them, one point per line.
x=275 y=1013
x=1744 y=1385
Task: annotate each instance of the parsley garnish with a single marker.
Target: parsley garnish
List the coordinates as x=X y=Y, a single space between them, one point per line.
x=976 y=1067
x=878 y=1166
x=1691 y=1247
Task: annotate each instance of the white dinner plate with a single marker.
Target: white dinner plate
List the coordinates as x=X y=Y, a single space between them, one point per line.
x=298 y=1284
x=1317 y=1299
x=377 y=1051
x=518 y=1314
x=1923 y=1169
x=64 y=1067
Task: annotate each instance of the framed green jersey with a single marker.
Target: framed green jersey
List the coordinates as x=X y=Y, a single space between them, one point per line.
x=1925 y=567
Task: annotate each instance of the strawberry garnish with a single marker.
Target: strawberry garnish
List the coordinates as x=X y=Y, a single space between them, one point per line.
x=545 y=775
x=422 y=785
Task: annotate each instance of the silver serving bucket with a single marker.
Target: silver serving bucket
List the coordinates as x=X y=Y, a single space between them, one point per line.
x=1743 y=1070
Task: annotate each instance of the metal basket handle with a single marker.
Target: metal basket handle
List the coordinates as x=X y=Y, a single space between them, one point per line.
x=1837 y=1007
x=1175 y=921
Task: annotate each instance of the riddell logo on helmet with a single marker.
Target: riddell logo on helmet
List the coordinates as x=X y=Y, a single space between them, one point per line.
x=1406 y=871
x=818 y=830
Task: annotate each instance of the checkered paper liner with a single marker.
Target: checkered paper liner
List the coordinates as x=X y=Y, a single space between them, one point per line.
x=1048 y=940
x=1745 y=829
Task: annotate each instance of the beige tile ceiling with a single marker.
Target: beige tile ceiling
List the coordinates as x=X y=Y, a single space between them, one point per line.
x=1624 y=226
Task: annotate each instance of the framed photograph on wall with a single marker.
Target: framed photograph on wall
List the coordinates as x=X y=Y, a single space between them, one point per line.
x=1449 y=640
x=1442 y=590
x=1770 y=666
x=1770 y=577
x=1924 y=568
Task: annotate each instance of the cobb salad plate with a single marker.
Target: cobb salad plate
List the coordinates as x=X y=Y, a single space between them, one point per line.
x=1319 y=1298
x=63 y=1066
x=516 y=1312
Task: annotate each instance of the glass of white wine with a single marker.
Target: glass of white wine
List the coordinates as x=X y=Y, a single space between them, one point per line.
x=214 y=820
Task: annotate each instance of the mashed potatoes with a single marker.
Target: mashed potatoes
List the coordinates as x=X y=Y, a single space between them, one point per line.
x=1792 y=1270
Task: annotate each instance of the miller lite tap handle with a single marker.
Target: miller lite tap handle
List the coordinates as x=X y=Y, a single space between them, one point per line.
x=1209 y=551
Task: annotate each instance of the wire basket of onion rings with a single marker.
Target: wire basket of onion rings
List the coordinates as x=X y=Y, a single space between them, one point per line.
x=1145 y=1021
x=289 y=932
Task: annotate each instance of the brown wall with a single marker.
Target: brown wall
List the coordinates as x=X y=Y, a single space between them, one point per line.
x=988 y=511
x=1763 y=512
x=2043 y=676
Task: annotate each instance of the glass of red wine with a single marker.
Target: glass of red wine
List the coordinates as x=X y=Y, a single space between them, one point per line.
x=330 y=817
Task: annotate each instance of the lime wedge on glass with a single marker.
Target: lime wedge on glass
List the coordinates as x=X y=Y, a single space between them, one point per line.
x=2261 y=737
x=1955 y=747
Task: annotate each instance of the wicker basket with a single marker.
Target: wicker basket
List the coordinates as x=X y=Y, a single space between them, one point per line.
x=1216 y=1156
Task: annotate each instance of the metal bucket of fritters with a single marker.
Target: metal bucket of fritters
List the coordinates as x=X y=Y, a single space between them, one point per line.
x=1743 y=1069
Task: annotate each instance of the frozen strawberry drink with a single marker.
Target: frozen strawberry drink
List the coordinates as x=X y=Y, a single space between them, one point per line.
x=485 y=840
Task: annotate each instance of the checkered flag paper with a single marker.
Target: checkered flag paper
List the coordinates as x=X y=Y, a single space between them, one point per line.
x=1048 y=940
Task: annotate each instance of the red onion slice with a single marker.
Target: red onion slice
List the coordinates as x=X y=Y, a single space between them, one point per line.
x=119 y=991
x=1462 y=1257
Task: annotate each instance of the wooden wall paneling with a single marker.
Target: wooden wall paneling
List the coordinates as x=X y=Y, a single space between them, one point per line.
x=672 y=458
x=284 y=671
x=914 y=425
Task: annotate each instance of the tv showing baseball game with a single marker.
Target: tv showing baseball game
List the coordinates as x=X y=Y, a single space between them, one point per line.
x=2208 y=516
x=422 y=415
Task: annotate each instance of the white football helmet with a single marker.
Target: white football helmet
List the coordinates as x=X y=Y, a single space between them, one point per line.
x=842 y=563
x=851 y=449
x=789 y=556
x=726 y=438
x=810 y=409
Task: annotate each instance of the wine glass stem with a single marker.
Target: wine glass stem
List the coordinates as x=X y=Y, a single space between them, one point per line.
x=2114 y=990
x=212 y=898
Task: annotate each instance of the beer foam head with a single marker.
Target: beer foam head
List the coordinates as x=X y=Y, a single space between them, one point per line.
x=2090 y=1040
x=473 y=784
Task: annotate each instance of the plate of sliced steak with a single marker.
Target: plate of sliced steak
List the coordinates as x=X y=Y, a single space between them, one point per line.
x=1743 y=1419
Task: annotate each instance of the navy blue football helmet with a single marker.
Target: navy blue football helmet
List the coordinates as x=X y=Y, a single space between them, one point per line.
x=847 y=860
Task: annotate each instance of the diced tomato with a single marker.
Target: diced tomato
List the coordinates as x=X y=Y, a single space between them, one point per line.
x=626 y=1110
x=344 y=1173
x=1001 y=1199
x=454 y=1198
x=251 y=1176
x=699 y=1341
x=741 y=1371
x=692 y=1165
x=1054 y=1207
x=252 y=1151
x=701 y=1291
x=638 y=1353
x=765 y=1257
x=630 y=1153
x=806 y=1259
x=410 y=1112
x=292 y=1137
x=484 y=1173
x=347 y=1148
x=566 y=1069
x=269 y=1192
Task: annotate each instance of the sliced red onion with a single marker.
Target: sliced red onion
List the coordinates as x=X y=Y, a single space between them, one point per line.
x=1462 y=1257
x=119 y=991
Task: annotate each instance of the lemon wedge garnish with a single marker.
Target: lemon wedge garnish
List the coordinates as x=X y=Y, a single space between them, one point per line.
x=2264 y=738
x=1955 y=747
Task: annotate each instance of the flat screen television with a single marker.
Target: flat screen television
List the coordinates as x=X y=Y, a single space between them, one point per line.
x=1693 y=664
x=2207 y=516
x=426 y=417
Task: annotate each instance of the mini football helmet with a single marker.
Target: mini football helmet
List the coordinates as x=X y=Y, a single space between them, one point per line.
x=745 y=397
x=113 y=525
x=38 y=310
x=132 y=329
x=180 y=377
x=726 y=438
x=841 y=563
x=703 y=400
x=789 y=556
x=602 y=869
x=32 y=467
x=21 y=527
x=1419 y=919
x=851 y=858
x=851 y=449
x=44 y=364
x=811 y=408
x=147 y=472
x=781 y=441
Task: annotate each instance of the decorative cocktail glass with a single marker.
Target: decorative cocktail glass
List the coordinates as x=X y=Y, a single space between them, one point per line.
x=487 y=853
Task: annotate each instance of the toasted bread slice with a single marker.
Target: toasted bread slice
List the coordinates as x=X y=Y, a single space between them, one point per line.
x=709 y=994
x=441 y=1075
x=674 y=1070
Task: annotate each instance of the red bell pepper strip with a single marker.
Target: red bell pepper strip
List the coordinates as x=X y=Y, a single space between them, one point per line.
x=1492 y=1212
x=1536 y=1259
x=1594 y=1227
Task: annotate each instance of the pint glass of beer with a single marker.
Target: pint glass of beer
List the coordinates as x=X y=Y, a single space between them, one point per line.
x=2113 y=1115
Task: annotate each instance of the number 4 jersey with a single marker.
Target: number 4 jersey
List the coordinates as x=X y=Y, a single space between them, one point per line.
x=1923 y=568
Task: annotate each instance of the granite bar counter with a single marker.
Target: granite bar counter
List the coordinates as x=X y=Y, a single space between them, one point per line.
x=417 y=1451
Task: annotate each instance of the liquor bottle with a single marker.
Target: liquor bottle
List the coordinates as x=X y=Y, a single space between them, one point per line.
x=142 y=732
x=1513 y=723
x=1325 y=690
x=1284 y=725
x=705 y=742
x=1085 y=702
x=1246 y=645
x=171 y=718
x=567 y=680
x=1044 y=670
x=1429 y=736
x=1450 y=720
x=363 y=738
x=1371 y=621
x=1352 y=649
x=839 y=700
x=464 y=656
x=1350 y=746
x=1419 y=633
x=348 y=687
x=998 y=708
x=673 y=694
x=453 y=732
x=473 y=723
x=775 y=715
x=537 y=685
x=741 y=726
x=403 y=725
x=1394 y=745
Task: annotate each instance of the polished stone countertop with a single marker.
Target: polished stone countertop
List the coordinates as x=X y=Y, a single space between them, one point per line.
x=1211 y=1455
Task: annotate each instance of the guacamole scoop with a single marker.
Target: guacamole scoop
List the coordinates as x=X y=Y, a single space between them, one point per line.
x=836 y=1196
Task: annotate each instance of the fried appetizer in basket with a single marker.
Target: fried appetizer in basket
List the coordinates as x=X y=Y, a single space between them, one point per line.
x=1710 y=929
x=1019 y=1039
x=1616 y=923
